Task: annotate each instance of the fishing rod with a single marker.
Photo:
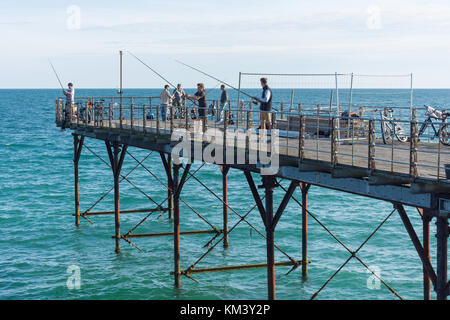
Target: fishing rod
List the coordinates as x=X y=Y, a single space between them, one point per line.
x=56 y=74
x=208 y=75
x=156 y=72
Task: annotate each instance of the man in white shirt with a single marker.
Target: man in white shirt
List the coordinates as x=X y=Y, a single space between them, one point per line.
x=166 y=101
x=70 y=110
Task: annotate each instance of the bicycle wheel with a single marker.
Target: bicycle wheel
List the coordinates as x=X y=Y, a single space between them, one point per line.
x=400 y=133
x=444 y=135
x=386 y=132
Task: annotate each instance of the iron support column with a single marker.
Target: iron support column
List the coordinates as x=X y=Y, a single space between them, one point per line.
x=176 y=225
x=269 y=184
x=116 y=196
x=78 y=145
x=426 y=218
x=170 y=190
x=442 y=263
x=225 y=170
x=116 y=157
x=305 y=188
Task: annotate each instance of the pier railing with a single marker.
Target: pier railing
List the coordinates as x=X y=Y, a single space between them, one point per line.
x=319 y=138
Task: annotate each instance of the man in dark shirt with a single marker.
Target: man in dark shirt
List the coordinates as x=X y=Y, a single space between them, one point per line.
x=179 y=99
x=200 y=97
x=223 y=103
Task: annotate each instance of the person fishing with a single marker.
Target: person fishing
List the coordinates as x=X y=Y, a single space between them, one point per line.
x=179 y=99
x=265 y=105
x=70 y=110
x=223 y=103
x=200 y=97
x=166 y=101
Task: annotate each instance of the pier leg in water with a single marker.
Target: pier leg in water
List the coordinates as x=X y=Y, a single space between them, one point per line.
x=442 y=286
x=116 y=157
x=176 y=227
x=225 y=170
x=177 y=186
x=78 y=146
x=170 y=190
x=270 y=220
x=305 y=188
x=426 y=219
x=269 y=184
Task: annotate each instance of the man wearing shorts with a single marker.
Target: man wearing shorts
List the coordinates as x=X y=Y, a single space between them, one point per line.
x=265 y=105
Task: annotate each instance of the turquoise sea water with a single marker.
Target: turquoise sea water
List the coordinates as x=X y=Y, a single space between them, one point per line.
x=39 y=240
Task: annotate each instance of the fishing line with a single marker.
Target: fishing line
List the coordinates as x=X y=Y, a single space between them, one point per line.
x=208 y=75
x=156 y=72
x=56 y=74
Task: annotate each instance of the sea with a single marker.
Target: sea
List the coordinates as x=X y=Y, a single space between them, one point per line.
x=44 y=256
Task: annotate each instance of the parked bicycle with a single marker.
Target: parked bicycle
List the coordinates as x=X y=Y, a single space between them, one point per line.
x=443 y=132
x=391 y=127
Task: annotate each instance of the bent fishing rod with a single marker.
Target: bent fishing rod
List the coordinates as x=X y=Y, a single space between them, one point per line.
x=158 y=74
x=154 y=71
x=56 y=74
x=208 y=75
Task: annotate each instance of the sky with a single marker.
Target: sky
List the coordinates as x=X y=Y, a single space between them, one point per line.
x=83 y=39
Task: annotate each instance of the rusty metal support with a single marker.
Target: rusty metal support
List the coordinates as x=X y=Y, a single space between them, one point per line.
x=371 y=147
x=239 y=267
x=415 y=240
x=116 y=157
x=270 y=221
x=101 y=213
x=169 y=190
x=413 y=145
x=78 y=146
x=269 y=183
x=176 y=226
x=442 y=286
x=305 y=188
x=225 y=170
x=176 y=188
x=164 y=234
x=426 y=219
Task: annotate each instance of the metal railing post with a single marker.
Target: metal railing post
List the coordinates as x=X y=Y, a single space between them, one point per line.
x=334 y=142
x=301 y=138
x=371 y=149
x=144 y=118
x=414 y=141
x=158 y=124
x=132 y=117
x=110 y=114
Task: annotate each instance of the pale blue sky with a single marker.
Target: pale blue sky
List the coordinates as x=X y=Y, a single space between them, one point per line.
x=222 y=37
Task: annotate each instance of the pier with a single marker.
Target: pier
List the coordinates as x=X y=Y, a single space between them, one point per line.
x=313 y=145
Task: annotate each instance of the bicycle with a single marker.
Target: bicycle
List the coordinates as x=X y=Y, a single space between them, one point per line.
x=391 y=127
x=443 y=133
